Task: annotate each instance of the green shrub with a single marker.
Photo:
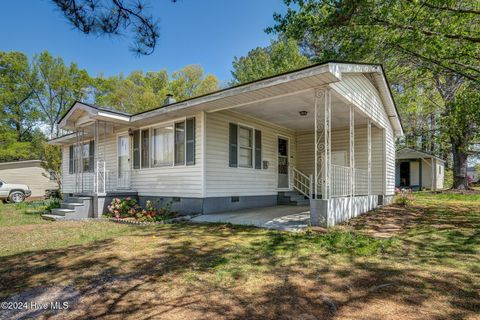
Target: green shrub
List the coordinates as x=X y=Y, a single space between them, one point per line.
x=129 y=208
x=52 y=203
x=448 y=179
x=124 y=208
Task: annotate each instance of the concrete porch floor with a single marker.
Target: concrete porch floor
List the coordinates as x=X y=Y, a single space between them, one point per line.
x=288 y=218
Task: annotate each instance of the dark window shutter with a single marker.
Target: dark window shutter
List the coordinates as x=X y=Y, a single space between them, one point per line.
x=91 y=155
x=71 y=168
x=136 y=149
x=258 y=149
x=190 y=141
x=233 y=145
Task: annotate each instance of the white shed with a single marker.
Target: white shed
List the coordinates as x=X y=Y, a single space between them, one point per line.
x=419 y=170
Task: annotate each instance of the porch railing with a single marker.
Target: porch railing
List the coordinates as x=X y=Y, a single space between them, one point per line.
x=341 y=183
x=98 y=181
x=301 y=182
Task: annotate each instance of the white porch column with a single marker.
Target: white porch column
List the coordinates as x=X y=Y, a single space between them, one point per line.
x=328 y=143
x=322 y=143
x=352 y=158
x=321 y=181
x=369 y=155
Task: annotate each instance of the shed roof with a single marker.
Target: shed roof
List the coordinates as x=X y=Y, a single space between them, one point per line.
x=409 y=153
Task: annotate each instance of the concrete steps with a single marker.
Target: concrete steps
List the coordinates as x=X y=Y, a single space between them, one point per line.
x=73 y=208
x=293 y=198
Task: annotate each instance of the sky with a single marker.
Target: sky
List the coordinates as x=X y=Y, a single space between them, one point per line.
x=206 y=32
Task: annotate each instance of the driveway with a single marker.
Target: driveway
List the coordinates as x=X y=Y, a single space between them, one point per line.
x=289 y=218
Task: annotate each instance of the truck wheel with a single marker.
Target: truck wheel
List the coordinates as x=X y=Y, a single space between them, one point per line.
x=16 y=197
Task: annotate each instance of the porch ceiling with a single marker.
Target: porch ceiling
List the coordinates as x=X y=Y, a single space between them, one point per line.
x=285 y=112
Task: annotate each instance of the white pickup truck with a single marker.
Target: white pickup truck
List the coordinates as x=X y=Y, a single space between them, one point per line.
x=14 y=192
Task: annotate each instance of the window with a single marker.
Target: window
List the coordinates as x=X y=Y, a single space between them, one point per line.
x=145 y=148
x=245 y=147
x=136 y=149
x=179 y=143
x=167 y=145
x=163 y=146
x=82 y=157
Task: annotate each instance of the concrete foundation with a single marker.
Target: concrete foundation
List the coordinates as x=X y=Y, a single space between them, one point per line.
x=182 y=205
x=328 y=213
x=222 y=204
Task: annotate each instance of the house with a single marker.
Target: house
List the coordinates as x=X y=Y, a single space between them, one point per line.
x=419 y=170
x=29 y=172
x=322 y=134
x=473 y=174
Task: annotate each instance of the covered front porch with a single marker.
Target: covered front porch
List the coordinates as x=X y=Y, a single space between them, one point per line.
x=334 y=156
x=98 y=152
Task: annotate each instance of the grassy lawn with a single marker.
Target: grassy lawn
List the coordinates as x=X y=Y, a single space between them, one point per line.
x=420 y=262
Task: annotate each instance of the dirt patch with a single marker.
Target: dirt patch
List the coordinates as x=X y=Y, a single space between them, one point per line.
x=40 y=302
x=386 y=221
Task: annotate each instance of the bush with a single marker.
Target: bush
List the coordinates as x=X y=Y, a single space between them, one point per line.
x=124 y=208
x=448 y=179
x=129 y=208
x=52 y=203
x=404 y=197
x=150 y=213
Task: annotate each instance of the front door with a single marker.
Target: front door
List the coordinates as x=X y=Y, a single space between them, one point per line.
x=283 y=163
x=123 y=151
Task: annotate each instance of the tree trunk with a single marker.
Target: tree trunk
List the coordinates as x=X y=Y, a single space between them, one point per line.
x=459 y=167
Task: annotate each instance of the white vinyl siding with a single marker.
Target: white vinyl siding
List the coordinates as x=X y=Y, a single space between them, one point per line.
x=359 y=90
x=223 y=180
x=340 y=144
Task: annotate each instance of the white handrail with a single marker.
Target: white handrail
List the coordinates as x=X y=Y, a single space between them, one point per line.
x=301 y=182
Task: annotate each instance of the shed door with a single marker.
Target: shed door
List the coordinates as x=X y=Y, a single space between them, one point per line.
x=415 y=173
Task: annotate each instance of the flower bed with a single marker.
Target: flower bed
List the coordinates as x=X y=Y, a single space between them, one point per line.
x=128 y=209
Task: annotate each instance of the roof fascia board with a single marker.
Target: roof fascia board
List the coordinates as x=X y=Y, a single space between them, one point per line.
x=235 y=91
